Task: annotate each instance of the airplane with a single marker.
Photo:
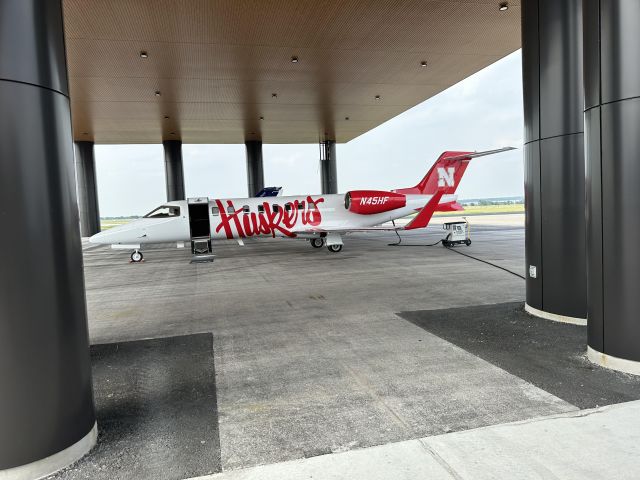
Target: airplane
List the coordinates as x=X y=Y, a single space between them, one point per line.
x=321 y=219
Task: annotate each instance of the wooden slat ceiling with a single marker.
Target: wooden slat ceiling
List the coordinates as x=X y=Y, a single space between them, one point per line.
x=217 y=64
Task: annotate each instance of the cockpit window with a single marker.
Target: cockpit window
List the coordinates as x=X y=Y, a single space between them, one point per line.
x=164 y=212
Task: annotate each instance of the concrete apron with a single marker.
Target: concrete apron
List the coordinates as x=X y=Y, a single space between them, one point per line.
x=587 y=444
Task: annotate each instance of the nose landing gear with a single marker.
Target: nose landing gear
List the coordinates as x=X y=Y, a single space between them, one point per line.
x=136 y=256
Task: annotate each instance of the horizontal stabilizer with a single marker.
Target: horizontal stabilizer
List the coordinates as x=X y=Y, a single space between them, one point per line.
x=450 y=207
x=480 y=154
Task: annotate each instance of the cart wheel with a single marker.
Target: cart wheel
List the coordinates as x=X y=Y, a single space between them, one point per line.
x=468 y=241
x=136 y=257
x=317 y=242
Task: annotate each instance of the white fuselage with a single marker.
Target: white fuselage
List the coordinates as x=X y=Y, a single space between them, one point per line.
x=237 y=218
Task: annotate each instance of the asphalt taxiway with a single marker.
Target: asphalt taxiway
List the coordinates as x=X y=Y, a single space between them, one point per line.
x=278 y=352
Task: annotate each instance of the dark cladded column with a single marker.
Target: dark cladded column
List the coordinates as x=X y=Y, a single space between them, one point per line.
x=612 y=121
x=328 y=168
x=255 y=172
x=174 y=173
x=46 y=400
x=554 y=158
x=87 y=189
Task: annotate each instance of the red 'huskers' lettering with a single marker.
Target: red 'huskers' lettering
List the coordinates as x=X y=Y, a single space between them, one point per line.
x=268 y=221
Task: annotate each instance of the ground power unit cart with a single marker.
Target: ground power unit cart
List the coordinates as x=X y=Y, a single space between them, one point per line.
x=457 y=233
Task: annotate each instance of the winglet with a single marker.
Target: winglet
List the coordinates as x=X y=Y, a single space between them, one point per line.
x=422 y=219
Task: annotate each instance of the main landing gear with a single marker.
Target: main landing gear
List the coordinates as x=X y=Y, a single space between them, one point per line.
x=320 y=242
x=136 y=256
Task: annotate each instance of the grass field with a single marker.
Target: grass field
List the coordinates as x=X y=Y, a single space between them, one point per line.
x=486 y=210
x=107 y=223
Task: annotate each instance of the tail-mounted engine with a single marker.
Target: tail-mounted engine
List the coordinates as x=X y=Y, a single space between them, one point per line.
x=368 y=202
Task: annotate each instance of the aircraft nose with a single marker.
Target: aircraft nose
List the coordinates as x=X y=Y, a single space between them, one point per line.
x=97 y=238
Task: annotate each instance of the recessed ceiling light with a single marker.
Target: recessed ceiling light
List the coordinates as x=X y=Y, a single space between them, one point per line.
x=504 y=6
x=294 y=59
x=158 y=93
x=423 y=63
x=144 y=54
x=378 y=97
x=274 y=95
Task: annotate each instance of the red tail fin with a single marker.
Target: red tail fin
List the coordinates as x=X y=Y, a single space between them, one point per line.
x=446 y=173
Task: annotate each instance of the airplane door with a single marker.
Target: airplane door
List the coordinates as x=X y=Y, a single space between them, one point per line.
x=199 y=226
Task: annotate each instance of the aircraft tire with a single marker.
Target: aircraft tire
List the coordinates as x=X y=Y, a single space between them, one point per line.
x=467 y=242
x=334 y=248
x=317 y=242
x=136 y=257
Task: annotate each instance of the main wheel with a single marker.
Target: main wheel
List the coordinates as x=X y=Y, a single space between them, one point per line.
x=334 y=248
x=467 y=242
x=317 y=242
x=136 y=256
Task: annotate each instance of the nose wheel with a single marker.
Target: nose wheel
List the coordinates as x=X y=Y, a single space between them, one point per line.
x=335 y=248
x=136 y=257
x=317 y=242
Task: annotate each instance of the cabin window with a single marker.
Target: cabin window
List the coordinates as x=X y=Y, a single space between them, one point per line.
x=287 y=207
x=164 y=212
x=276 y=208
x=230 y=209
x=260 y=208
x=301 y=206
x=246 y=209
x=215 y=211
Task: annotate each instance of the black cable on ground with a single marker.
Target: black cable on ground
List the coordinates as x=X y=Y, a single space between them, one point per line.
x=488 y=263
x=400 y=240
x=399 y=237
x=456 y=251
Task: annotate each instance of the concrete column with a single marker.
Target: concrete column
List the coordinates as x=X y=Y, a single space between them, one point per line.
x=47 y=417
x=612 y=119
x=174 y=173
x=328 y=169
x=255 y=172
x=87 y=189
x=554 y=159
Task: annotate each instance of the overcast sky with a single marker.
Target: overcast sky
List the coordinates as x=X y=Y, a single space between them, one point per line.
x=482 y=112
